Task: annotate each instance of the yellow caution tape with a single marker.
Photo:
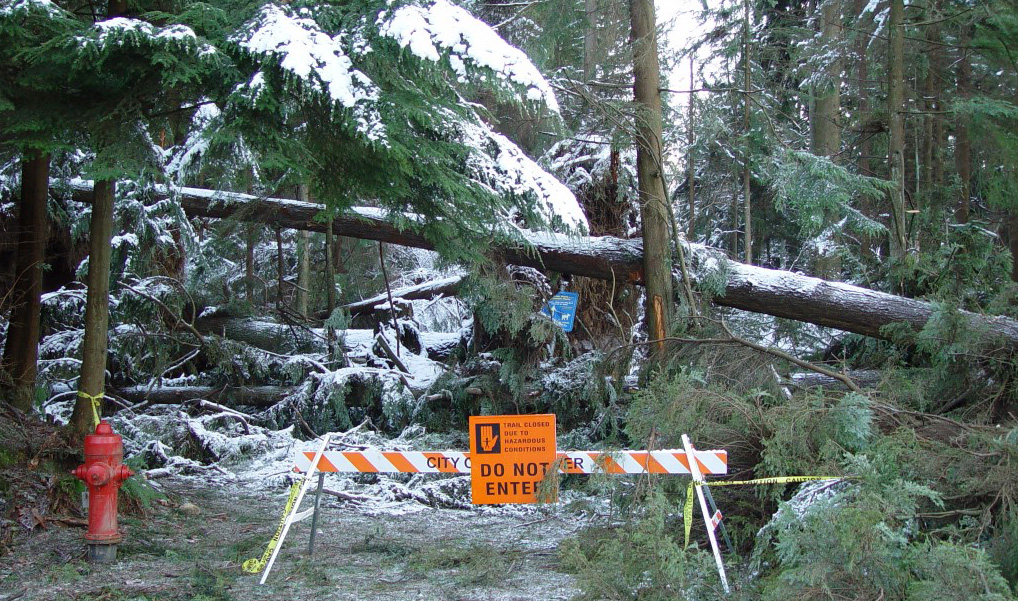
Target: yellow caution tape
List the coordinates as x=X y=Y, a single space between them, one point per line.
x=687 y=512
x=256 y=565
x=96 y=403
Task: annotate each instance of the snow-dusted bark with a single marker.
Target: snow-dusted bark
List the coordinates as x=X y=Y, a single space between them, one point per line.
x=746 y=287
x=254 y=396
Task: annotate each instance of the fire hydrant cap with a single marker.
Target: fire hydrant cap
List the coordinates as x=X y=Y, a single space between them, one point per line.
x=103 y=428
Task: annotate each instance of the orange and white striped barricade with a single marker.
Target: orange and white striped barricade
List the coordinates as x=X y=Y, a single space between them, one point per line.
x=374 y=461
x=672 y=461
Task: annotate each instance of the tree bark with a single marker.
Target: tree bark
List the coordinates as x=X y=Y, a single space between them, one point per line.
x=863 y=120
x=653 y=196
x=863 y=106
x=330 y=268
x=92 y=381
x=896 y=125
x=303 y=262
x=1012 y=235
x=251 y=240
x=266 y=335
x=284 y=339
x=444 y=287
x=21 y=350
x=280 y=271
x=747 y=82
x=231 y=396
x=590 y=41
x=825 y=120
x=932 y=169
x=750 y=288
x=690 y=164
x=963 y=144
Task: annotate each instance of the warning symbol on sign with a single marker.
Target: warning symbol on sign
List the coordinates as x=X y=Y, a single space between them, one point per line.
x=510 y=456
x=488 y=439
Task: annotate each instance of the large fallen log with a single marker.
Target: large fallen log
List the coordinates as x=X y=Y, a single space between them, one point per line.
x=255 y=396
x=427 y=290
x=746 y=287
x=281 y=338
x=266 y=335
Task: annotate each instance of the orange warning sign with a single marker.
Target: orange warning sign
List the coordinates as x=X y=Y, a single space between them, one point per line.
x=510 y=455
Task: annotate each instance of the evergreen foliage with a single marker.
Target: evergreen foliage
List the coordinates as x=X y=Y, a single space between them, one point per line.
x=417 y=108
x=640 y=560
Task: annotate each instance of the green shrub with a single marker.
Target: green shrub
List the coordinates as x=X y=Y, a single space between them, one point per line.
x=641 y=560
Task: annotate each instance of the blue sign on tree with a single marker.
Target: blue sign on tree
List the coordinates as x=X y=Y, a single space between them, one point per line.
x=562 y=309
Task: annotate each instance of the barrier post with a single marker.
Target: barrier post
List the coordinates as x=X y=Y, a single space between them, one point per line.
x=694 y=470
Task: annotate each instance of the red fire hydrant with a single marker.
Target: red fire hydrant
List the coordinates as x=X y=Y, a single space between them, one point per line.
x=103 y=472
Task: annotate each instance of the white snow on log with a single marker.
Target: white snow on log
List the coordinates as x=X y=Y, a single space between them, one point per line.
x=439 y=26
x=382 y=300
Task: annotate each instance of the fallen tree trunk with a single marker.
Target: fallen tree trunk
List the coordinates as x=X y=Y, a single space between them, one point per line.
x=266 y=335
x=750 y=288
x=282 y=338
x=427 y=290
x=231 y=396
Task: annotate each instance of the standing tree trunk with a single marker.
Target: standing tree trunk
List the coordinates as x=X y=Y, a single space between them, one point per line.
x=691 y=165
x=963 y=144
x=896 y=144
x=330 y=268
x=825 y=116
x=251 y=240
x=92 y=382
x=94 y=348
x=747 y=82
x=825 y=120
x=863 y=146
x=1012 y=237
x=21 y=351
x=304 y=260
x=657 y=264
x=303 y=273
x=862 y=82
x=280 y=271
x=933 y=121
x=590 y=41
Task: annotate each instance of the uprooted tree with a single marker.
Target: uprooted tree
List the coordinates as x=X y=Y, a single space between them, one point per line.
x=747 y=287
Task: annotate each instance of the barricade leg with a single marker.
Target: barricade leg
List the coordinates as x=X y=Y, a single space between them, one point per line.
x=721 y=524
x=694 y=470
x=314 y=516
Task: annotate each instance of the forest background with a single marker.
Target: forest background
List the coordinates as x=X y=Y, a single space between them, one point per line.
x=368 y=232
